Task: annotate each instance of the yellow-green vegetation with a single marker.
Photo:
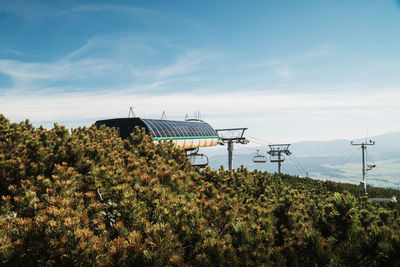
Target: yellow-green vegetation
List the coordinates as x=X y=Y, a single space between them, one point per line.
x=86 y=197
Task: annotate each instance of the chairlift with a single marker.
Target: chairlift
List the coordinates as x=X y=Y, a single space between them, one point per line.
x=259 y=158
x=198 y=160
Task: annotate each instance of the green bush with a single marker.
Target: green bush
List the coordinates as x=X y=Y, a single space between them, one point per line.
x=86 y=197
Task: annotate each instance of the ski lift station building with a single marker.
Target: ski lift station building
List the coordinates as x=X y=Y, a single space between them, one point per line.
x=189 y=134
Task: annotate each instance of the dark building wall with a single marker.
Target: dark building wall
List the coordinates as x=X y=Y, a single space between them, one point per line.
x=125 y=126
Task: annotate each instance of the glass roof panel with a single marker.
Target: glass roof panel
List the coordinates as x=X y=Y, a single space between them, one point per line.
x=174 y=128
x=185 y=129
x=203 y=129
x=179 y=128
x=197 y=129
x=153 y=129
x=165 y=128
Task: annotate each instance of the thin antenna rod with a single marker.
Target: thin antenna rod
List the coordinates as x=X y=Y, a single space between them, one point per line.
x=164 y=115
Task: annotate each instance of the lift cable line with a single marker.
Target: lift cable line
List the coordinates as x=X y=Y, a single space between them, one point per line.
x=298 y=163
x=231 y=136
x=369 y=158
x=251 y=137
x=295 y=162
x=305 y=172
x=246 y=148
x=295 y=165
x=393 y=198
x=377 y=167
x=277 y=153
x=365 y=167
x=344 y=163
x=258 y=143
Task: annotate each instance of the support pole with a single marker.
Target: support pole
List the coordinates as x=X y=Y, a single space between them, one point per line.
x=279 y=162
x=364 y=162
x=364 y=167
x=230 y=153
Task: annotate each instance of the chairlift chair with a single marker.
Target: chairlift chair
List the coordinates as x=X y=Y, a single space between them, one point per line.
x=196 y=159
x=259 y=158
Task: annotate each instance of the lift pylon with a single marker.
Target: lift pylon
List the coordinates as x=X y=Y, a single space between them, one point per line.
x=277 y=153
x=230 y=137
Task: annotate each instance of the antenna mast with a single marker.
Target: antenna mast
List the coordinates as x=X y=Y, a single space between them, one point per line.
x=131 y=114
x=164 y=115
x=364 y=145
x=276 y=152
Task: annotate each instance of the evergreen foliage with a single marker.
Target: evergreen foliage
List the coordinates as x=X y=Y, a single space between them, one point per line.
x=86 y=197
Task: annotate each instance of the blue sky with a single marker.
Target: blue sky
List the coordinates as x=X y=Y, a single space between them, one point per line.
x=287 y=70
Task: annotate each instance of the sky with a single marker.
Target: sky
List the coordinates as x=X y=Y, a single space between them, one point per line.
x=287 y=70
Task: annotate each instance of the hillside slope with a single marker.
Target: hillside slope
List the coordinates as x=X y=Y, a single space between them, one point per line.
x=89 y=198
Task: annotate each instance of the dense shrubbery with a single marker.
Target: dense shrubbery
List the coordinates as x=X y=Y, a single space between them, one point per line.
x=88 y=198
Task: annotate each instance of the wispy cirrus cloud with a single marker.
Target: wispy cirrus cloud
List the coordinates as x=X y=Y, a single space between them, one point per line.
x=185 y=64
x=108 y=8
x=30 y=75
x=287 y=66
x=321 y=50
x=35 y=11
x=14 y=51
x=123 y=60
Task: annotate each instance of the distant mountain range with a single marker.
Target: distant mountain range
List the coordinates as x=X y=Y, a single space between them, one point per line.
x=335 y=160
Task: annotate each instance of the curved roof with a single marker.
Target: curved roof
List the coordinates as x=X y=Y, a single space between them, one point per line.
x=186 y=134
x=162 y=129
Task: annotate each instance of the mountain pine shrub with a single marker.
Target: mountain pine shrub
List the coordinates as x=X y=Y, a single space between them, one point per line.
x=86 y=197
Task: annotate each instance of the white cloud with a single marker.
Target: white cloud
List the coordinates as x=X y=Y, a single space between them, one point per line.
x=321 y=50
x=278 y=117
x=183 y=64
x=14 y=52
x=134 y=58
x=285 y=66
x=28 y=74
